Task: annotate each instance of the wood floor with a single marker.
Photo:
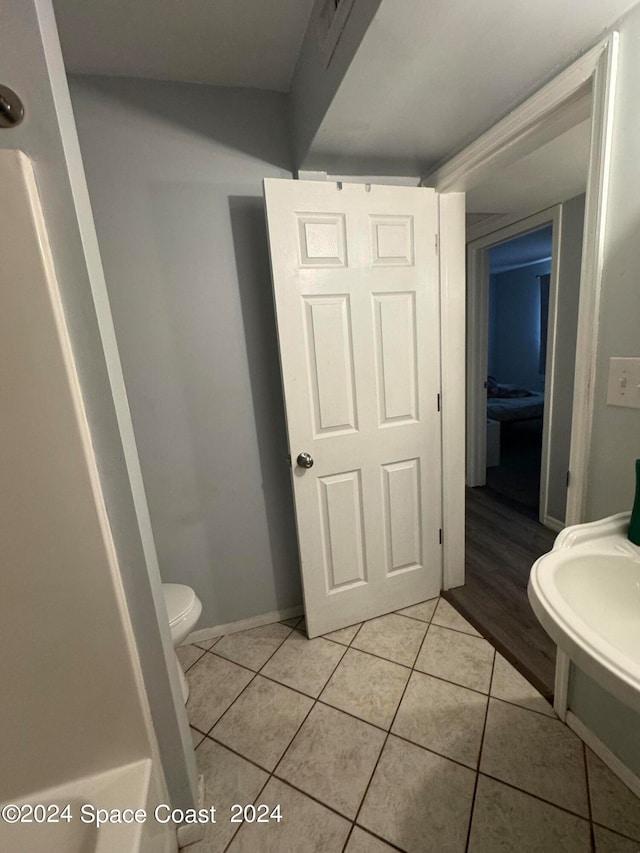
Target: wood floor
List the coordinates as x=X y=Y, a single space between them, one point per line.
x=502 y=545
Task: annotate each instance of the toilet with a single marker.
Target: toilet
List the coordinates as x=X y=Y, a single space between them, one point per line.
x=183 y=609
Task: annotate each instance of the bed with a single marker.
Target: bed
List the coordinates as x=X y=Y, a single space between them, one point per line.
x=508 y=404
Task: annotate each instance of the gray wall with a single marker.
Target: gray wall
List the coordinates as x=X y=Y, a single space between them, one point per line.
x=30 y=62
x=614 y=723
x=515 y=326
x=616 y=431
x=174 y=173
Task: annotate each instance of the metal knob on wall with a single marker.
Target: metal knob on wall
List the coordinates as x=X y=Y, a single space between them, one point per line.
x=11 y=108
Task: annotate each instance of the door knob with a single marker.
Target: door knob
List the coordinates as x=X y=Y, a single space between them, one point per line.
x=305 y=460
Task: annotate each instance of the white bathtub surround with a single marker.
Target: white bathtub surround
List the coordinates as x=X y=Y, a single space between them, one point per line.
x=126 y=787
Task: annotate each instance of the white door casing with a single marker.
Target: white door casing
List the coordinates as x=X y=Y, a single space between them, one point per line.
x=355 y=275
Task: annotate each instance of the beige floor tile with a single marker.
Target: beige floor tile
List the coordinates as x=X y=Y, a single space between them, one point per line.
x=344 y=635
x=457 y=657
x=394 y=637
x=291 y=623
x=228 y=779
x=332 y=758
x=535 y=753
x=363 y=842
x=306 y=826
x=367 y=686
x=448 y=617
x=443 y=717
x=304 y=664
x=423 y=611
x=611 y=842
x=302 y=625
x=505 y=820
x=508 y=684
x=613 y=805
x=188 y=655
x=254 y=647
x=213 y=685
x=196 y=736
x=418 y=801
x=262 y=722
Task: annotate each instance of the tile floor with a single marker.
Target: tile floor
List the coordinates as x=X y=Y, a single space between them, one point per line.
x=408 y=732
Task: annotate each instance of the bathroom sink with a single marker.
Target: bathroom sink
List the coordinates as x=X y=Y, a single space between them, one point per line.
x=586 y=594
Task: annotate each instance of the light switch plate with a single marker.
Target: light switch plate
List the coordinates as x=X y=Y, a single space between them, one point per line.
x=624 y=382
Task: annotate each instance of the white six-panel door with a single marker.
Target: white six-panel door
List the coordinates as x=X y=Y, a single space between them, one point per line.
x=355 y=278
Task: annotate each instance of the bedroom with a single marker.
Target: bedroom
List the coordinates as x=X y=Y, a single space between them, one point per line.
x=518 y=316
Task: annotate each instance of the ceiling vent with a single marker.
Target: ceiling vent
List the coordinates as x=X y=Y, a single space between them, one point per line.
x=332 y=20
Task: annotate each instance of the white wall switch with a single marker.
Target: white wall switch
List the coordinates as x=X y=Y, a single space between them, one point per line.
x=624 y=382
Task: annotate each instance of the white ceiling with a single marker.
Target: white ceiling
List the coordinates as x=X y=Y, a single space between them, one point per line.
x=429 y=77
x=552 y=173
x=249 y=43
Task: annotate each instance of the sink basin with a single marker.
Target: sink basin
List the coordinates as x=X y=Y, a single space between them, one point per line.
x=586 y=594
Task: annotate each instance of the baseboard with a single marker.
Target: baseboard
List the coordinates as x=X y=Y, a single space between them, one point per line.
x=242 y=625
x=191 y=833
x=553 y=523
x=626 y=776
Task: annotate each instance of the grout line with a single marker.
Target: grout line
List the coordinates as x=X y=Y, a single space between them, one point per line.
x=386 y=740
x=617 y=832
x=432 y=751
x=377 y=726
x=348 y=838
x=535 y=796
x=353 y=639
x=272 y=772
x=241 y=825
x=310 y=796
x=414 y=618
x=228 y=708
x=484 y=729
x=381 y=838
x=586 y=779
x=374 y=655
x=315 y=702
x=476 y=636
x=387 y=660
x=185 y=671
x=553 y=717
x=251 y=680
x=387 y=731
x=218 y=742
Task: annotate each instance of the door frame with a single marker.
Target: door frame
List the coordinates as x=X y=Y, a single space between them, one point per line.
x=506 y=142
x=451 y=207
x=477 y=348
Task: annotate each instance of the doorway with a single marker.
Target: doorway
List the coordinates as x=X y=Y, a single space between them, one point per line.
x=523 y=283
x=517 y=334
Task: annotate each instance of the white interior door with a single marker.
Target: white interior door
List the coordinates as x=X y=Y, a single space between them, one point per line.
x=356 y=287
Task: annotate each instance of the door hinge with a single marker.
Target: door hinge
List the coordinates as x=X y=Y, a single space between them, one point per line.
x=440 y=536
x=438 y=402
x=289 y=459
x=437 y=244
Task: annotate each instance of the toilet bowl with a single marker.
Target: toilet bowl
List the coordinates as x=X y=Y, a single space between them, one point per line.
x=183 y=609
